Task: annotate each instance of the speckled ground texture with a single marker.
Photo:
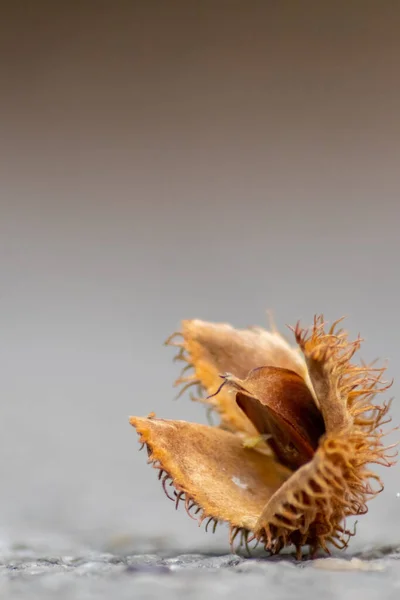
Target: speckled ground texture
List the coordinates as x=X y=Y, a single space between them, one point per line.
x=82 y=573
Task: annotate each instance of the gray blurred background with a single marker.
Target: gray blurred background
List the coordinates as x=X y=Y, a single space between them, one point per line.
x=169 y=160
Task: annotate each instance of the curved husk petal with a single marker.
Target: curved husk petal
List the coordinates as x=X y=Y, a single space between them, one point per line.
x=311 y=507
x=344 y=391
x=211 y=469
x=216 y=348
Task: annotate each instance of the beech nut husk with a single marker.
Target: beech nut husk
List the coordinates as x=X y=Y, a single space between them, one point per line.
x=298 y=430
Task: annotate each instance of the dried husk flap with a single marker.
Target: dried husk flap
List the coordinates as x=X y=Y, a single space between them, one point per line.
x=311 y=507
x=211 y=349
x=209 y=469
x=344 y=391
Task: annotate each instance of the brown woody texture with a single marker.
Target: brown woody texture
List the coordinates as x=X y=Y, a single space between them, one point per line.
x=298 y=428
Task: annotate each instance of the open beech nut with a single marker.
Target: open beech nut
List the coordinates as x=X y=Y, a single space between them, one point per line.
x=289 y=459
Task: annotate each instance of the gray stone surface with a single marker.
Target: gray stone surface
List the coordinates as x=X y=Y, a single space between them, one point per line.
x=28 y=572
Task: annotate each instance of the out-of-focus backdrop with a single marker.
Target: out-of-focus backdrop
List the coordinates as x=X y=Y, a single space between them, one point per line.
x=169 y=160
